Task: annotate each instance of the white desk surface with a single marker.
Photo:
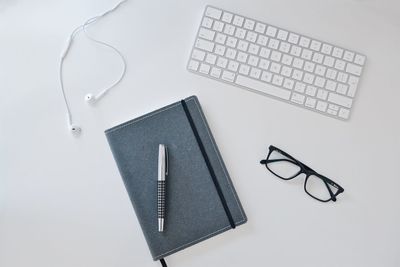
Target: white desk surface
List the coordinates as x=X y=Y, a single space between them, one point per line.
x=62 y=201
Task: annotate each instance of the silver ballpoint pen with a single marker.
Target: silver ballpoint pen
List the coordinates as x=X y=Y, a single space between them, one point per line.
x=162 y=174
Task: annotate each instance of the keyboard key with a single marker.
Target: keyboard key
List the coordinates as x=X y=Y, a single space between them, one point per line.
x=331 y=85
x=353 y=69
x=326 y=49
x=207 y=22
x=297 y=75
x=243 y=45
x=306 y=54
x=342 y=88
x=340 y=64
x=264 y=64
x=228 y=76
x=222 y=62
x=240 y=33
x=322 y=94
x=331 y=74
x=275 y=67
x=349 y=56
x=353 y=81
x=333 y=107
x=273 y=43
x=253 y=49
x=220 y=50
x=300 y=87
x=229 y=29
x=255 y=73
x=230 y=53
x=288 y=84
x=342 y=77
x=322 y=106
x=276 y=56
x=227 y=17
x=262 y=40
x=282 y=35
x=304 y=42
x=251 y=37
x=360 y=60
x=315 y=45
x=238 y=21
x=231 y=41
x=266 y=76
x=298 y=98
x=320 y=70
x=319 y=82
x=310 y=102
x=337 y=52
x=206 y=34
x=249 y=24
x=309 y=78
x=253 y=61
x=198 y=54
x=329 y=61
x=340 y=100
x=220 y=38
x=311 y=90
x=277 y=80
x=309 y=66
x=233 y=65
x=193 y=65
x=242 y=57
x=244 y=69
x=213 y=13
x=298 y=63
x=318 y=58
x=344 y=113
x=260 y=27
x=215 y=72
x=204 y=45
x=265 y=52
x=287 y=60
x=211 y=59
x=284 y=47
x=218 y=26
x=331 y=112
x=286 y=71
x=263 y=87
x=293 y=38
x=271 y=31
x=204 y=68
x=295 y=51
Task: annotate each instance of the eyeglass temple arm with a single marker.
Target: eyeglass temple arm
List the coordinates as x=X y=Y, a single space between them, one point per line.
x=265 y=161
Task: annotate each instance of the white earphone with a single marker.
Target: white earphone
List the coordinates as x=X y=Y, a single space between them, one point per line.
x=89 y=98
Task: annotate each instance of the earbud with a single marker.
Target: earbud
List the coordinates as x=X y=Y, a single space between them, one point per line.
x=75 y=130
x=90 y=99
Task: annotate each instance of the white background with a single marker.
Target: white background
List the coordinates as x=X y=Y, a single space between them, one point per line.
x=62 y=201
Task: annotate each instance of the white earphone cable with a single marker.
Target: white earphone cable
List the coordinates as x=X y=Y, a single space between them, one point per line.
x=115 y=50
x=65 y=53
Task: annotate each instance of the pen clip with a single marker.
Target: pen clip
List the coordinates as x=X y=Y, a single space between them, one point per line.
x=166 y=160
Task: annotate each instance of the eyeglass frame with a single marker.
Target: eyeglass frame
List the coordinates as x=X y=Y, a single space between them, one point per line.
x=304 y=169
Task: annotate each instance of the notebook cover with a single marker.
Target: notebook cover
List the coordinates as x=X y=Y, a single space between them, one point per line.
x=194 y=211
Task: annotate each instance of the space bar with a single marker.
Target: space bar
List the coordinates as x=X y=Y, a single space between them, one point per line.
x=262 y=87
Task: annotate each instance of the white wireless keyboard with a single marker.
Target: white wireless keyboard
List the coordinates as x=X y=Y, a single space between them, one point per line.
x=272 y=61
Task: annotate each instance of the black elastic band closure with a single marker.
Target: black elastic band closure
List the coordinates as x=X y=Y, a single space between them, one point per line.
x=163 y=263
x=208 y=163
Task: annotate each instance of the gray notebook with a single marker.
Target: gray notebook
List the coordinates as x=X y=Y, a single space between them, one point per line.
x=201 y=201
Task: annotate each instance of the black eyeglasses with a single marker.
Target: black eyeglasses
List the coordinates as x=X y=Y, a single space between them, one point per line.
x=286 y=167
